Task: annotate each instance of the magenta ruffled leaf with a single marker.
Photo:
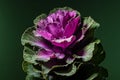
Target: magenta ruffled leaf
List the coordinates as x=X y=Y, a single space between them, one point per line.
x=59 y=27
x=71 y=27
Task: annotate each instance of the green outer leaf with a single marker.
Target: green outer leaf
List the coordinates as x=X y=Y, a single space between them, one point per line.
x=30 y=77
x=29 y=55
x=70 y=60
x=31 y=71
x=90 y=23
x=88 y=50
x=99 y=55
x=28 y=36
x=29 y=42
x=86 y=71
x=64 y=8
x=38 y=18
x=71 y=71
x=46 y=70
x=25 y=66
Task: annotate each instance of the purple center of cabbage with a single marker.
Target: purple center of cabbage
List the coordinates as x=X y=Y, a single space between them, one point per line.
x=59 y=27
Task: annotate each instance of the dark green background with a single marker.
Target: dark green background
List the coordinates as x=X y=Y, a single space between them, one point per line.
x=16 y=16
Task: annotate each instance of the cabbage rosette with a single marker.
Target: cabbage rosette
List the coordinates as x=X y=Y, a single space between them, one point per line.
x=62 y=46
